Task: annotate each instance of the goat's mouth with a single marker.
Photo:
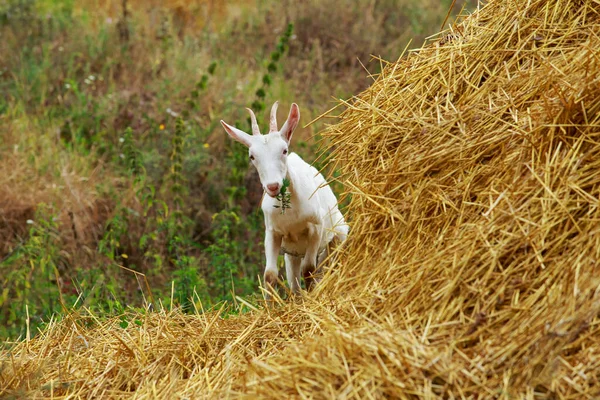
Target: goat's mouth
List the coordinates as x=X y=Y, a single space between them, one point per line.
x=273 y=194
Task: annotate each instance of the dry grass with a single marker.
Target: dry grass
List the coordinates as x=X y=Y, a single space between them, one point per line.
x=37 y=170
x=472 y=266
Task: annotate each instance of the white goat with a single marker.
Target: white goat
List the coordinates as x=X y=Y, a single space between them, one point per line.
x=312 y=221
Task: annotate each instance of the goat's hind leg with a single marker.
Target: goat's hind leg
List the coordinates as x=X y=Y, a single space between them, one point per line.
x=309 y=262
x=292 y=269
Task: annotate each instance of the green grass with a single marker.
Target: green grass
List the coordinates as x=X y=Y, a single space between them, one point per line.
x=111 y=146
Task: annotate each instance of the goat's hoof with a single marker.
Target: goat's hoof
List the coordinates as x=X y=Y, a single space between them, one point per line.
x=295 y=295
x=271 y=279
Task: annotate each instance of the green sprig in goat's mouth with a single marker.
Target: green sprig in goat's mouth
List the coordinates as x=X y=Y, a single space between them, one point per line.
x=284 y=196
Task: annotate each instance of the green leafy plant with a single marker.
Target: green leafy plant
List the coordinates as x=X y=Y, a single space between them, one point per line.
x=110 y=243
x=192 y=101
x=226 y=256
x=272 y=67
x=188 y=285
x=284 y=196
x=30 y=287
x=178 y=189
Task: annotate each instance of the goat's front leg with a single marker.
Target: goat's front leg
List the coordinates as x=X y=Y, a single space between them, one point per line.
x=309 y=262
x=272 y=246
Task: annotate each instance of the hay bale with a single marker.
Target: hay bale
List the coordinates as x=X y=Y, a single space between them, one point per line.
x=473 y=263
x=472 y=266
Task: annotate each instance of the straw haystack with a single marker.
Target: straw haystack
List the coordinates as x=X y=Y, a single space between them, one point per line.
x=473 y=265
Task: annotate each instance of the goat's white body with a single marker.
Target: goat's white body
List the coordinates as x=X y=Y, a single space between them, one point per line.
x=308 y=225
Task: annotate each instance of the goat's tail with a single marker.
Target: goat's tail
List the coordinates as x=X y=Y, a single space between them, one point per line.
x=341 y=232
x=340 y=236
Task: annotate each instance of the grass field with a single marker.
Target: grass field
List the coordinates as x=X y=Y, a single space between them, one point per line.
x=117 y=184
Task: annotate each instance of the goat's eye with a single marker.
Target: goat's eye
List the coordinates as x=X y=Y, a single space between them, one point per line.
x=252 y=158
x=284 y=151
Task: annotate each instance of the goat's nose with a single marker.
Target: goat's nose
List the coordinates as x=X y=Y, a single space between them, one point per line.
x=273 y=187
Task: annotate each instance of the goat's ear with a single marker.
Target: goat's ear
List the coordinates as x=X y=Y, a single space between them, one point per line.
x=237 y=134
x=292 y=121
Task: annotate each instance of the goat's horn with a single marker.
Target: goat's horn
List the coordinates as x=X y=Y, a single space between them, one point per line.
x=273 y=125
x=255 y=130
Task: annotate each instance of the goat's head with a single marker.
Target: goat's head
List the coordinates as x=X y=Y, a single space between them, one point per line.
x=268 y=152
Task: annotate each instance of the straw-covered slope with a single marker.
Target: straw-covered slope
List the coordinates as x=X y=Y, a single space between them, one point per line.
x=472 y=269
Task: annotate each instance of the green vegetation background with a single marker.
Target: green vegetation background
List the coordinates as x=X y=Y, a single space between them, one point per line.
x=118 y=187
